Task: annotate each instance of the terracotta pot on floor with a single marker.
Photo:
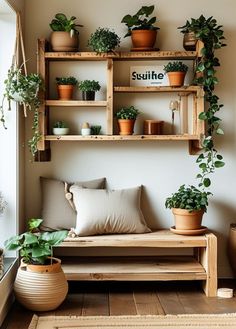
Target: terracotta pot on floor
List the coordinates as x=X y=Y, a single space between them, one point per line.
x=185 y=220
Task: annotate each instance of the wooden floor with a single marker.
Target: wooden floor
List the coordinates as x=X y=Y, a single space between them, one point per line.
x=130 y=298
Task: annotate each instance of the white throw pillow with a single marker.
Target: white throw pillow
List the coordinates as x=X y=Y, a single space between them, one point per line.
x=108 y=212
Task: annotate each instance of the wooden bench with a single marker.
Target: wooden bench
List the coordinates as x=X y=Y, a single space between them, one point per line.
x=200 y=265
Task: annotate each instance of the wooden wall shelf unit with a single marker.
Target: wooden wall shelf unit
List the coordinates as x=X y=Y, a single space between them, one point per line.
x=202 y=265
x=44 y=59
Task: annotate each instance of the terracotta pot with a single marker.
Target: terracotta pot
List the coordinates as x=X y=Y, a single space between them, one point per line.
x=143 y=39
x=126 y=127
x=88 y=95
x=189 y=41
x=176 y=79
x=185 y=220
x=63 y=41
x=65 y=92
x=40 y=291
x=232 y=247
x=54 y=267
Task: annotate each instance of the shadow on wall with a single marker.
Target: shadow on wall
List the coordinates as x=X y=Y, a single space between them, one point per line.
x=147 y=209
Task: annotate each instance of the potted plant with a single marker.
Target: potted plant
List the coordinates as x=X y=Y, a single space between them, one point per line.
x=23 y=89
x=141 y=28
x=126 y=119
x=88 y=88
x=65 y=36
x=60 y=128
x=95 y=130
x=189 y=39
x=40 y=283
x=188 y=205
x=176 y=73
x=103 y=40
x=65 y=87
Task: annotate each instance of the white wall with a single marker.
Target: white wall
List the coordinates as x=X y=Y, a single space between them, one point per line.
x=160 y=166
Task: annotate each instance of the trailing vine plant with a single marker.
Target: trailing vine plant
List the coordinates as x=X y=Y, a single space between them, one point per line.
x=211 y=34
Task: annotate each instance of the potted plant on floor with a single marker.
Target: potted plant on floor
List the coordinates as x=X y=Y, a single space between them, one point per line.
x=141 y=28
x=88 y=88
x=176 y=73
x=60 y=128
x=65 y=87
x=188 y=205
x=126 y=119
x=65 y=36
x=40 y=283
x=103 y=40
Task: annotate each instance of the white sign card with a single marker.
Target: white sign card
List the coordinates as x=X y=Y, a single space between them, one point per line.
x=152 y=76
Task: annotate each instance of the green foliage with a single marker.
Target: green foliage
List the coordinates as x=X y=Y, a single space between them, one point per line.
x=62 y=23
x=60 y=124
x=140 y=20
x=175 y=67
x=89 y=85
x=95 y=130
x=189 y=198
x=35 y=247
x=23 y=89
x=129 y=113
x=66 y=81
x=103 y=40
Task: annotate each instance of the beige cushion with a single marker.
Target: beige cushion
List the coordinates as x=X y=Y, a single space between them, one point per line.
x=104 y=212
x=56 y=211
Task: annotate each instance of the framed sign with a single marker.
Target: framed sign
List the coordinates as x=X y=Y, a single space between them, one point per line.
x=152 y=76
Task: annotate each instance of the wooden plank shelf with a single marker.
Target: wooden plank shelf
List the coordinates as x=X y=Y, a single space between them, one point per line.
x=75 y=103
x=99 y=138
x=150 y=55
x=137 y=89
x=134 y=268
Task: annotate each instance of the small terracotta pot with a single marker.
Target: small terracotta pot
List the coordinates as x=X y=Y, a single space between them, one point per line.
x=185 y=220
x=126 y=126
x=63 y=41
x=65 y=92
x=176 y=79
x=143 y=39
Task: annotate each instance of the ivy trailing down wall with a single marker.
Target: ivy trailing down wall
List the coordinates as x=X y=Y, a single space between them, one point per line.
x=211 y=34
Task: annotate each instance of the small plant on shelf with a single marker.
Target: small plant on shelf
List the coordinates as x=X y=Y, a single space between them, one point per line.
x=88 y=88
x=62 y=23
x=141 y=28
x=65 y=87
x=126 y=119
x=66 y=81
x=60 y=128
x=95 y=130
x=60 y=124
x=176 y=73
x=176 y=67
x=103 y=40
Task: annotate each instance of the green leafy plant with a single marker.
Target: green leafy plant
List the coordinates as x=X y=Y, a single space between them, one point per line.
x=35 y=247
x=175 y=67
x=23 y=89
x=60 y=124
x=103 y=40
x=189 y=198
x=95 y=130
x=140 y=20
x=212 y=35
x=89 y=85
x=66 y=81
x=127 y=113
x=62 y=23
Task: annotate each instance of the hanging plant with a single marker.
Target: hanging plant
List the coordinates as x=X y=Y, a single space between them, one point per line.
x=23 y=89
x=211 y=34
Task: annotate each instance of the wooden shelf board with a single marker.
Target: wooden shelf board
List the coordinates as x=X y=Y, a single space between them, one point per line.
x=75 y=103
x=150 y=55
x=161 y=238
x=128 y=89
x=134 y=268
x=99 y=138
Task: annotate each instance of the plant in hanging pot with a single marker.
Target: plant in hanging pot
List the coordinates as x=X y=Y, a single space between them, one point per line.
x=141 y=28
x=189 y=39
x=65 y=87
x=65 y=36
x=103 y=40
x=60 y=128
x=126 y=119
x=188 y=205
x=88 y=88
x=176 y=72
x=40 y=284
x=23 y=89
